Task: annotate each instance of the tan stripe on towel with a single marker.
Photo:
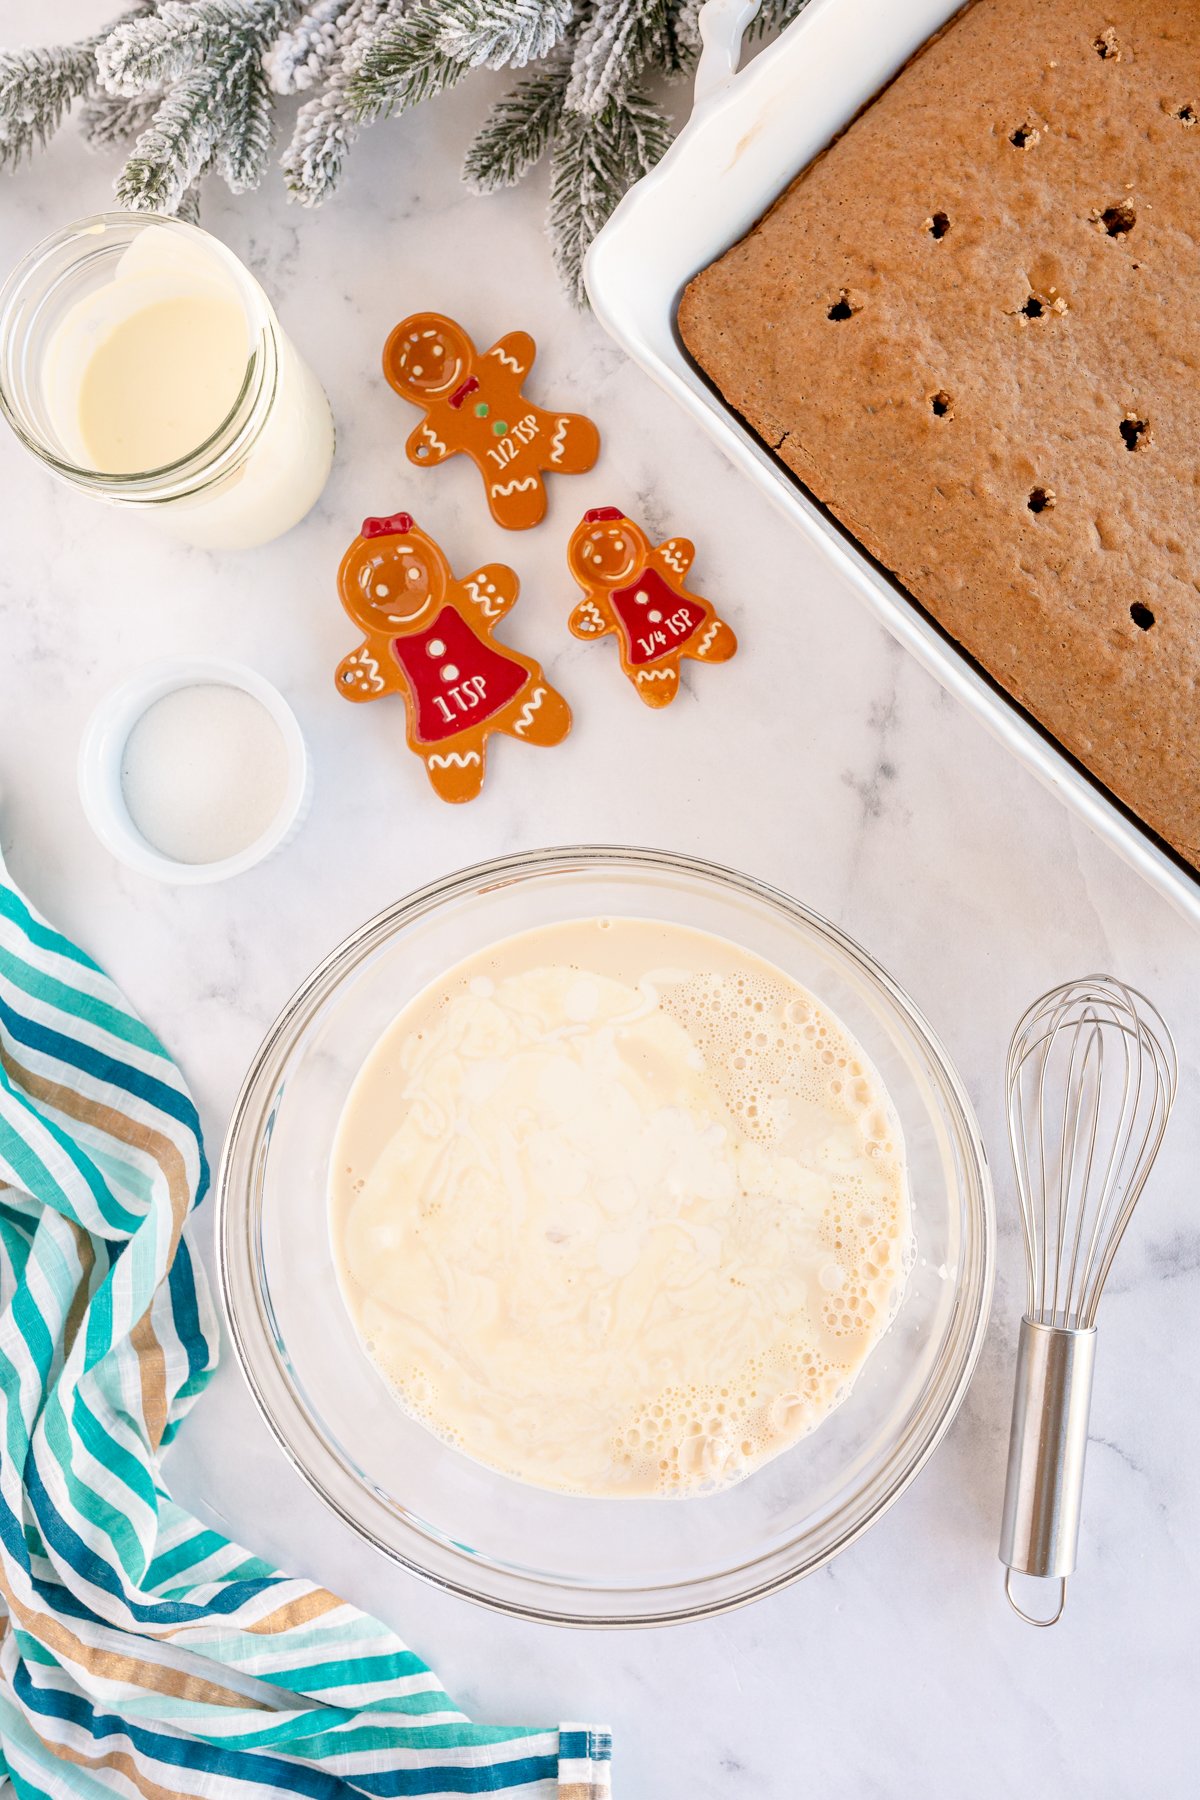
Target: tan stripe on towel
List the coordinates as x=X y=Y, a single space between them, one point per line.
x=121 y=1762
x=309 y=1606
x=114 y=1665
x=117 y=1125
x=86 y=1253
x=152 y=1372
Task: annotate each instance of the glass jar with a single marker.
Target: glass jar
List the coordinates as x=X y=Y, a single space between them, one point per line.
x=263 y=466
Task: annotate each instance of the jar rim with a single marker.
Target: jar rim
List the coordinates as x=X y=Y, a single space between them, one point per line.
x=225 y=448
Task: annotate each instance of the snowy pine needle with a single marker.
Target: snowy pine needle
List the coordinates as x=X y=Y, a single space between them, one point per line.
x=36 y=89
x=619 y=40
x=109 y=119
x=403 y=63
x=301 y=57
x=216 y=112
x=502 y=34
x=518 y=131
x=595 y=159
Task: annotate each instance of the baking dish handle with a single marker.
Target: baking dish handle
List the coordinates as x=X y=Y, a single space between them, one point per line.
x=722 y=25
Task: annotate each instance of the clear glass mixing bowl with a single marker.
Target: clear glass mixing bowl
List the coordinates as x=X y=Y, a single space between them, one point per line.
x=557 y=1557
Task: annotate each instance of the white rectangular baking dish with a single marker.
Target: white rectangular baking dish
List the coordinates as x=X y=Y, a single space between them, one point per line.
x=748 y=135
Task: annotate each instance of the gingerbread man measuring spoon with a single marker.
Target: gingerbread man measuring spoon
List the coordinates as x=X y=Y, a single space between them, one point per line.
x=637 y=595
x=428 y=637
x=474 y=404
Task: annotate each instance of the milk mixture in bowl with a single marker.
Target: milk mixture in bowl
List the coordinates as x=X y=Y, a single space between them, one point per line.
x=619 y=1208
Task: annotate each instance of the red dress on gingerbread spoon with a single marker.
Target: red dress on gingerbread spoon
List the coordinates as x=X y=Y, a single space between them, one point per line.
x=636 y=594
x=429 y=638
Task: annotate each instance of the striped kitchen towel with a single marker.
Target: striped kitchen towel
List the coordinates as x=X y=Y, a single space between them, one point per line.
x=142 y=1654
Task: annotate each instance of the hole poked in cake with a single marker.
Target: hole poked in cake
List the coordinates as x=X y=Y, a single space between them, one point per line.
x=1108 y=46
x=1041 y=499
x=845 y=306
x=1186 y=114
x=1041 y=303
x=937 y=224
x=1134 y=431
x=1117 y=219
x=1024 y=136
x=941 y=404
x=1141 y=615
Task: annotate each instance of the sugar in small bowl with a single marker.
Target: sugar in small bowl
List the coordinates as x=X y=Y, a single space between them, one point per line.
x=193 y=770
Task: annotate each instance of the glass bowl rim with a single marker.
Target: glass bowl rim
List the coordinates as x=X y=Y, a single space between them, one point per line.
x=247 y=1312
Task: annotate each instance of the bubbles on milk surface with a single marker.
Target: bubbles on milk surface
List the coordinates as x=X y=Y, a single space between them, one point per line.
x=626 y=1215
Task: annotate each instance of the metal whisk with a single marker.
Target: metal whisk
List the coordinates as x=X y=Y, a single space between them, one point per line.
x=1091 y=1080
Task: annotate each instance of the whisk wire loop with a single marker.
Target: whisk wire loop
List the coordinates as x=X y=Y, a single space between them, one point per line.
x=1092 y=1074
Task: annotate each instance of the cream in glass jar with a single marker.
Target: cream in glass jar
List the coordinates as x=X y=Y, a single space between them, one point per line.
x=144 y=364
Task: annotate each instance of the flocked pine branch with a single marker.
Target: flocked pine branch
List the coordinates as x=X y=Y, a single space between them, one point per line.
x=190 y=85
x=217 y=108
x=518 y=131
x=303 y=56
x=176 y=147
x=151 y=52
x=502 y=34
x=244 y=146
x=109 y=119
x=328 y=124
x=38 y=88
x=616 y=44
x=595 y=159
x=403 y=63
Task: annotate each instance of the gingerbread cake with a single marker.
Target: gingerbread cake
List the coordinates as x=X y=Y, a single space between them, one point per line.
x=971 y=328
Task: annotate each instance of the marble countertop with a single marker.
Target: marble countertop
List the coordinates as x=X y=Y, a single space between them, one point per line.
x=821 y=759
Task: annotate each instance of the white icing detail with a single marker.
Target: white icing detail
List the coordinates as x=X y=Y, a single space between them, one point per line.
x=515 y=487
x=706 y=640
x=656 y=675
x=641 y=596
x=558 y=442
x=453 y=759
x=435 y=647
x=510 y=362
x=428 y=433
x=363 y=664
x=589 y=617
x=654 y=616
x=524 y=719
x=450 y=672
x=490 y=608
x=671 y=556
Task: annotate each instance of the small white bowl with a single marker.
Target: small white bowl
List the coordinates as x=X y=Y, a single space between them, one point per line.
x=103 y=748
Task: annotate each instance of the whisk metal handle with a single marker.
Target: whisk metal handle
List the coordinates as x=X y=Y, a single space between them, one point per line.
x=1046 y=1449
